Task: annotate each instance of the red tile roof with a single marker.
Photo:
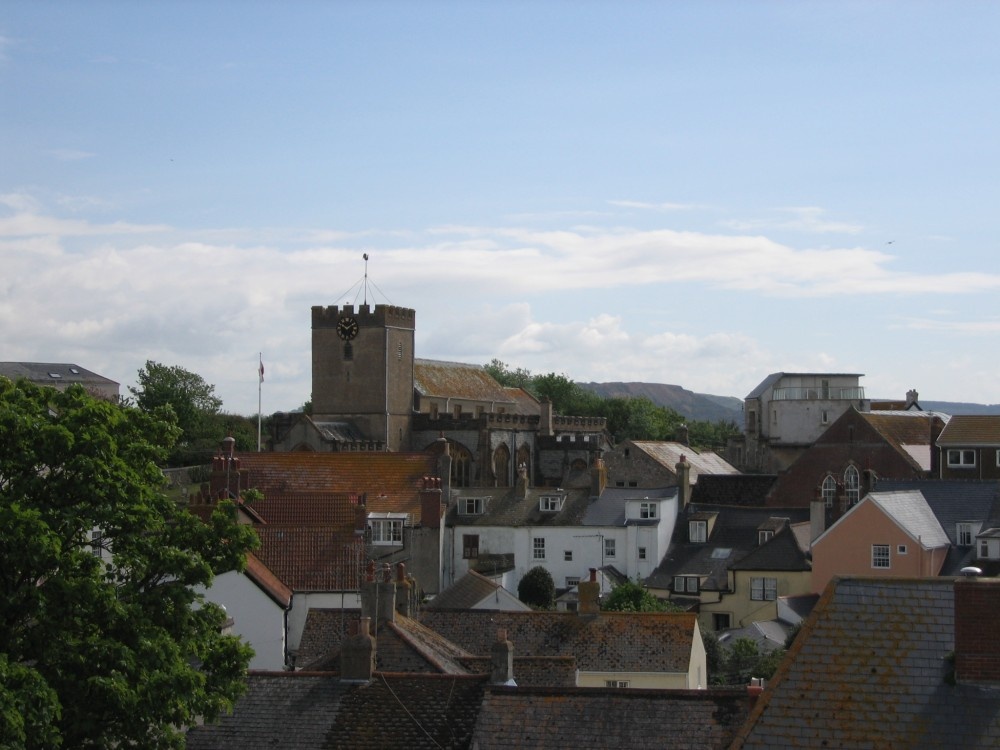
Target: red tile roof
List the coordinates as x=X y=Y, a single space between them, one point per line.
x=971 y=429
x=312 y=558
x=268 y=582
x=390 y=481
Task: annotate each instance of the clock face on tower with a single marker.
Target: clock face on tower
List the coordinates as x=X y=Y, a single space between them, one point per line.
x=347 y=328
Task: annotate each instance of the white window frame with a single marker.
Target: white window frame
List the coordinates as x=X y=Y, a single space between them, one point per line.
x=642 y=553
x=610 y=547
x=96 y=543
x=698 y=531
x=852 y=485
x=763 y=589
x=829 y=490
x=764 y=536
x=572 y=581
x=686 y=584
x=568 y=555
x=961 y=458
x=386 y=532
x=901 y=549
x=616 y=683
x=963 y=534
x=473 y=506
x=550 y=503
x=648 y=510
x=538 y=548
x=881 y=557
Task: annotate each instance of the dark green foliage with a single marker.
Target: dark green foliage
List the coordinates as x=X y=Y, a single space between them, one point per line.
x=537 y=589
x=193 y=403
x=741 y=659
x=634 y=597
x=114 y=651
x=627 y=418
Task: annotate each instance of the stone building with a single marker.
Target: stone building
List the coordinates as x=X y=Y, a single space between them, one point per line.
x=371 y=393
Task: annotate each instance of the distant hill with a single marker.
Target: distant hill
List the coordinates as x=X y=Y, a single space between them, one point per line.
x=704 y=407
x=700 y=407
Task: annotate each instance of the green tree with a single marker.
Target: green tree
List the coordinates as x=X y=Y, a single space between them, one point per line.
x=537 y=589
x=741 y=659
x=632 y=596
x=504 y=375
x=104 y=641
x=193 y=402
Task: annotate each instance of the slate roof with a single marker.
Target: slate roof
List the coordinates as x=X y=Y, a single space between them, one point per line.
x=953 y=501
x=971 y=430
x=53 y=373
x=605 y=718
x=456 y=380
x=780 y=552
x=732 y=489
x=609 y=508
x=870 y=669
x=466 y=592
x=912 y=513
x=607 y=642
x=390 y=482
x=507 y=507
x=732 y=538
x=669 y=453
x=302 y=710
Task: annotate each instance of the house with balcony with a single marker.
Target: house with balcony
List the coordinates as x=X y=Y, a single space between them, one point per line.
x=787 y=411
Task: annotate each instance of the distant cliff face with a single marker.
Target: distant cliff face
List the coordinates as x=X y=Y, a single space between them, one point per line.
x=699 y=407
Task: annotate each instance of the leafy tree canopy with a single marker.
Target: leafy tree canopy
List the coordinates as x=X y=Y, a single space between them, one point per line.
x=537 y=589
x=193 y=402
x=741 y=659
x=103 y=640
x=632 y=596
x=627 y=418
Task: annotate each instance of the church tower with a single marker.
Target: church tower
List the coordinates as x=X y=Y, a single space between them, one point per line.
x=362 y=369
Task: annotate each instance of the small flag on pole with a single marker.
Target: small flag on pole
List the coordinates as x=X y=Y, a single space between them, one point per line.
x=261 y=371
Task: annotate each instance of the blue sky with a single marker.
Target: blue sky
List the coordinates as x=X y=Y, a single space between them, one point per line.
x=697 y=193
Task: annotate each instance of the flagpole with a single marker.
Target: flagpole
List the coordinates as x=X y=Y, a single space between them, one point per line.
x=260 y=384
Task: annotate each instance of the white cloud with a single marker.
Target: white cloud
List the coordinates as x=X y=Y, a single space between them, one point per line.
x=210 y=301
x=802 y=219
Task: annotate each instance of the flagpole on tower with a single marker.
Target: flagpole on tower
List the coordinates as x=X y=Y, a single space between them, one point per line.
x=260 y=385
x=366 y=278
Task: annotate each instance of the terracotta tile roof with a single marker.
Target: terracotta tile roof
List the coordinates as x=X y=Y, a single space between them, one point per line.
x=902 y=428
x=971 y=430
x=268 y=582
x=309 y=508
x=312 y=558
x=524 y=402
x=389 y=481
x=871 y=668
x=457 y=380
x=608 y=642
x=598 y=718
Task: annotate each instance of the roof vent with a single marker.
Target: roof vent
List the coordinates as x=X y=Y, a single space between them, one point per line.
x=971 y=571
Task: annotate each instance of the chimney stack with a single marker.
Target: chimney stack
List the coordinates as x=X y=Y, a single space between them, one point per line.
x=430 y=503
x=977 y=612
x=545 y=428
x=357 y=653
x=590 y=595
x=386 y=596
x=598 y=476
x=403 y=591
x=502 y=657
x=683 y=470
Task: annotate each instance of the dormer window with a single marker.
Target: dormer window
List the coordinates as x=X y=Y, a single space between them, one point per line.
x=386 y=528
x=698 y=531
x=472 y=506
x=963 y=534
x=685 y=584
x=647 y=510
x=551 y=503
x=764 y=536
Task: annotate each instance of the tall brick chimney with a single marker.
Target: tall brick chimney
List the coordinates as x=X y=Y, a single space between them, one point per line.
x=590 y=595
x=404 y=591
x=683 y=470
x=357 y=653
x=502 y=658
x=598 y=476
x=977 y=612
x=430 y=503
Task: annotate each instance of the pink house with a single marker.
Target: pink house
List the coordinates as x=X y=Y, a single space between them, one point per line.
x=887 y=534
